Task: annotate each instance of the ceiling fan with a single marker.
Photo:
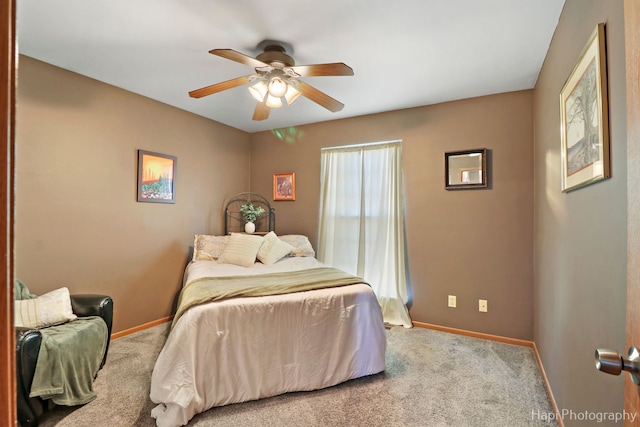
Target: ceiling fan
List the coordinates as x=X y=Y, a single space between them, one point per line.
x=276 y=79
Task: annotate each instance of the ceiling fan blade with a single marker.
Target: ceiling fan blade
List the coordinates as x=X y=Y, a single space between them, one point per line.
x=318 y=97
x=238 y=57
x=335 y=69
x=261 y=112
x=219 y=87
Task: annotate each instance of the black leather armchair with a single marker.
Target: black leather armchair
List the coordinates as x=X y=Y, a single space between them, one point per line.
x=28 y=346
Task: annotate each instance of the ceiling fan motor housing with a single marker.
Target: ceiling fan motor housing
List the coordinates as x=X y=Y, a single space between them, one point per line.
x=276 y=56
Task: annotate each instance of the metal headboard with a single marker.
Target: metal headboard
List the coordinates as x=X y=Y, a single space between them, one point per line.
x=233 y=221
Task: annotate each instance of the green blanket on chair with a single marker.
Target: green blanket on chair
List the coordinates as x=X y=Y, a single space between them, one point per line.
x=64 y=373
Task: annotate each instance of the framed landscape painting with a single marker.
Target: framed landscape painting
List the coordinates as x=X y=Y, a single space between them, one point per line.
x=156 y=177
x=585 y=118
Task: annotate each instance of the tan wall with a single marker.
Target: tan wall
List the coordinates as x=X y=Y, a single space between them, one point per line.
x=475 y=244
x=77 y=220
x=580 y=237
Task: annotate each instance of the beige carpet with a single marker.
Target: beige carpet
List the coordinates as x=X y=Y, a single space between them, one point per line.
x=432 y=379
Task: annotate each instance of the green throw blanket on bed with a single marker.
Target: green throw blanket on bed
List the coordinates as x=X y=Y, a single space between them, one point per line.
x=68 y=361
x=208 y=289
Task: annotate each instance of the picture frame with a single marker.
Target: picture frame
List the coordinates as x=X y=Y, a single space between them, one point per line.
x=284 y=186
x=156 y=177
x=584 y=117
x=466 y=169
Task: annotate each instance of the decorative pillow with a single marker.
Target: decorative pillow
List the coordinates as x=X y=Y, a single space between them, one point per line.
x=273 y=249
x=300 y=243
x=208 y=248
x=241 y=249
x=49 y=309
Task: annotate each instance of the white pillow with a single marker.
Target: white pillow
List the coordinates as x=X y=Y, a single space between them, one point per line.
x=300 y=243
x=208 y=248
x=49 y=309
x=241 y=249
x=273 y=249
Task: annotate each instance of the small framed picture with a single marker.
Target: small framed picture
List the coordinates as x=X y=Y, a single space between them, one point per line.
x=284 y=186
x=465 y=169
x=156 y=177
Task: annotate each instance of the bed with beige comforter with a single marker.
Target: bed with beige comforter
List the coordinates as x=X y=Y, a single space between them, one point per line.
x=246 y=333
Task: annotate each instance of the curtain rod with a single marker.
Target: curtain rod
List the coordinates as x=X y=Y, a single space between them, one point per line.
x=365 y=144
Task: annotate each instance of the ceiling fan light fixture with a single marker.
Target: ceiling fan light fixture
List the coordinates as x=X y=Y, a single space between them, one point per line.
x=273 y=102
x=291 y=95
x=259 y=91
x=277 y=87
x=275 y=81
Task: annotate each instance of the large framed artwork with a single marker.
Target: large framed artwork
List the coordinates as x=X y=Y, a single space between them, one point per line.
x=156 y=177
x=284 y=186
x=585 y=117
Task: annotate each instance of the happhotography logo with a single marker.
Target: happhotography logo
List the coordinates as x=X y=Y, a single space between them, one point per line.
x=571 y=415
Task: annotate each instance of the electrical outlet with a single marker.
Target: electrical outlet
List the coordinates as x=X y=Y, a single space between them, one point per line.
x=482 y=306
x=452 y=301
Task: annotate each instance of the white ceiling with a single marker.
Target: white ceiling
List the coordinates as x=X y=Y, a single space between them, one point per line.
x=404 y=53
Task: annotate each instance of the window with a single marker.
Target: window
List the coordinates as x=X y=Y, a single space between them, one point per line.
x=361 y=227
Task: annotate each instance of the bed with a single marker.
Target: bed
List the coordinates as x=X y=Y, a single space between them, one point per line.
x=229 y=348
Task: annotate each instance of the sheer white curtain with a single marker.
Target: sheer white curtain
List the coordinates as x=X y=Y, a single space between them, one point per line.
x=362 y=220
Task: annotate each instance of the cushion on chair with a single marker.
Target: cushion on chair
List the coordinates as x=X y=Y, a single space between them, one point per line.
x=49 y=309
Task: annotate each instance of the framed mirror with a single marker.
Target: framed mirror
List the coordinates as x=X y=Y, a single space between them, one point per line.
x=465 y=169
